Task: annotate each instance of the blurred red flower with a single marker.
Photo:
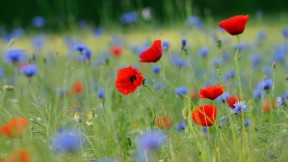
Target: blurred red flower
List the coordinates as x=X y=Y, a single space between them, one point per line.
x=19 y=155
x=128 y=79
x=205 y=115
x=78 y=87
x=234 y=25
x=152 y=54
x=163 y=122
x=14 y=128
x=117 y=50
x=211 y=92
x=232 y=100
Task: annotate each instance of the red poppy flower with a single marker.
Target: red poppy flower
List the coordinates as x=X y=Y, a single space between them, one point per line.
x=163 y=122
x=18 y=156
x=153 y=54
x=78 y=87
x=234 y=25
x=232 y=100
x=205 y=115
x=14 y=128
x=117 y=50
x=128 y=79
x=211 y=92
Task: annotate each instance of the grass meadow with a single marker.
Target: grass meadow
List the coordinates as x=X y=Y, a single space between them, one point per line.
x=76 y=95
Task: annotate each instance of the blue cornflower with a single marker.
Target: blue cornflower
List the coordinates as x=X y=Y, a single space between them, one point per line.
x=128 y=18
x=80 y=47
x=177 y=61
x=181 y=126
x=280 y=101
x=39 y=22
x=286 y=95
x=205 y=130
x=151 y=140
x=265 y=85
x=183 y=42
x=256 y=61
x=229 y=75
x=165 y=44
x=195 y=21
x=216 y=61
x=38 y=42
x=86 y=55
x=239 y=107
x=261 y=35
x=101 y=94
x=203 y=52
x=29 y=70
x=223 y=98
x=156 y=69
x=17 y=33
x=14 y=55
x=67 y=140
x=181 y=91
x=160 y=85
x=1 y=73
x=98 y=32
x=247 y=123
x=257 y=94
x=259 y=13
x=285 y=33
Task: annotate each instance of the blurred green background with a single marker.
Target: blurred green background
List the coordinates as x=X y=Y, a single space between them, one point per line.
x=98 y=12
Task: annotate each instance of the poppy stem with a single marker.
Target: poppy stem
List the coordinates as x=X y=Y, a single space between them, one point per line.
x=151 y=107
x=237 y=66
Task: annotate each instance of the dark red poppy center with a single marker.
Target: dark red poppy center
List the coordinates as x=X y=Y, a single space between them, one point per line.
x=133 y=78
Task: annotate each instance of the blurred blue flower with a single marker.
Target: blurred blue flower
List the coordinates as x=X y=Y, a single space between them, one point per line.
x=101 y=94
x=183 y=42
x=259 y=13
x=195 y=21
x=285 y=33
x=14 y=55
x=240 y=106
x=181 y=91
x=98 y=32
x=256 y=61
x=257 y=94
x=229 y=75
x=203 y=52
x=261 y=35
x=1 y=73
x=156 y=69
x=38 y=21
x=165 y=44
x=17 y=33
x=216 y=61
x=223 y=98
x=128 y=18
x=265 y=84
x=67 y=140
x=280 y=101
x=177 y=61
x=38 y=42
x=247 y=123
x=181 y=126
x=151 y=140
x=29 y=70
x=160 y=85
x=80 y=47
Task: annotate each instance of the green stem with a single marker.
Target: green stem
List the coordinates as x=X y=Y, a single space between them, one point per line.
x=237 y=66
x=151 y=106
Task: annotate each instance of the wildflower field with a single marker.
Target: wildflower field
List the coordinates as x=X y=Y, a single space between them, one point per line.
x=213 y=90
